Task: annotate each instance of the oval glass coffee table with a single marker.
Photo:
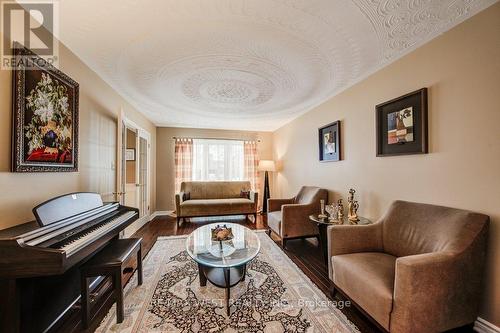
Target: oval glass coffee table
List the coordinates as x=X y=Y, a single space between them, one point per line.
x=224 y=263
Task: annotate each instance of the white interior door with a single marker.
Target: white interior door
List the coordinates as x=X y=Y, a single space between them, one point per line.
x=120 y=158
x=135 y=168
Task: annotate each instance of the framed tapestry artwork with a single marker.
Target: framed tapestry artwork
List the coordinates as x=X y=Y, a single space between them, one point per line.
x=45 y=116
x=329 y=142
x=402 y=125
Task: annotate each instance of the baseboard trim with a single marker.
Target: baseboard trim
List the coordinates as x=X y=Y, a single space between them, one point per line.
x=131 y=229
x=143 y=220
x=483 y=326
x=161 y=213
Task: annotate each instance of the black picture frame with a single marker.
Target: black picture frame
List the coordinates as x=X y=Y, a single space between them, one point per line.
x=395 y=135
x=332 y=152
x=61 y=130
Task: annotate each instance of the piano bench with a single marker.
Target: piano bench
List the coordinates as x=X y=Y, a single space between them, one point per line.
x=111 y=261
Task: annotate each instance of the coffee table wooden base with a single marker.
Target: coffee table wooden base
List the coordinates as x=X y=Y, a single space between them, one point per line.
x=222 y=278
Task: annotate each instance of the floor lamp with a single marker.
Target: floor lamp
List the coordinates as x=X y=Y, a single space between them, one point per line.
x=266 y=166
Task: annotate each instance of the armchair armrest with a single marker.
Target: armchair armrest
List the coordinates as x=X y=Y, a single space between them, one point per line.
x=179 y=198
x=426 y=286
x=275 y=204
x=345 y=239
x=254 y=197
x=291 y=210
x=295 y=220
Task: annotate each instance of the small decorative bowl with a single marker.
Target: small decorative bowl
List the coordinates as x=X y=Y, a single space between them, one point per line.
x=222 y=233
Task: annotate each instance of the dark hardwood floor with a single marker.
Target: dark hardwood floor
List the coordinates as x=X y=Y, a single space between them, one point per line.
x=304 y=253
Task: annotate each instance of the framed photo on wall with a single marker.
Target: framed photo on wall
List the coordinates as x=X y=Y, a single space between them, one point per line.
x=45 y=116
x=329 y=142
x=130 y=154
x=402 y=125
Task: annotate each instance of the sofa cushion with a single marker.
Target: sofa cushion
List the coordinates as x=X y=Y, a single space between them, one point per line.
x=217 y=206
x=368 y=279
x=274 y=221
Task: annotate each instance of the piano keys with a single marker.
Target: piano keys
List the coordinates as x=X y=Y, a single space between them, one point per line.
x=39 y=260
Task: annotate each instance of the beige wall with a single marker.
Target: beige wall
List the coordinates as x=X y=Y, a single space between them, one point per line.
x=99 y=108
x=462 y=70
x=165 y=155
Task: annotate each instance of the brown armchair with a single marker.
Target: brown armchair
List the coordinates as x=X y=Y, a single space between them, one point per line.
x=416 y=270
x=289 y=218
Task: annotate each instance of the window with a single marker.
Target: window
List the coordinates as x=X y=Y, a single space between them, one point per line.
x=218 y=160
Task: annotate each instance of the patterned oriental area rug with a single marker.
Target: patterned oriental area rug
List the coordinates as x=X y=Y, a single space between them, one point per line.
x=275 y=297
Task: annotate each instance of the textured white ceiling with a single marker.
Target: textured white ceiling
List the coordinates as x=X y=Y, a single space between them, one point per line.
x=251 y=65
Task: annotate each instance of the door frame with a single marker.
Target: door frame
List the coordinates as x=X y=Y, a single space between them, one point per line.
x=125 y=122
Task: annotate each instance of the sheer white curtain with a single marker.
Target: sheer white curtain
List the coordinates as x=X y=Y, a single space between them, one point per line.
x=218 y=160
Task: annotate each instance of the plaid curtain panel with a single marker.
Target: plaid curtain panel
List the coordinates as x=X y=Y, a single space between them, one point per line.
x=183 y=161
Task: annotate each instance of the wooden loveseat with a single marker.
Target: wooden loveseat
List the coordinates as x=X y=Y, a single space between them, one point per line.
x=216 y=198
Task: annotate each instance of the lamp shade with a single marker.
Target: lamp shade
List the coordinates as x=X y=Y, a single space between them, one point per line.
x=267 y=165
